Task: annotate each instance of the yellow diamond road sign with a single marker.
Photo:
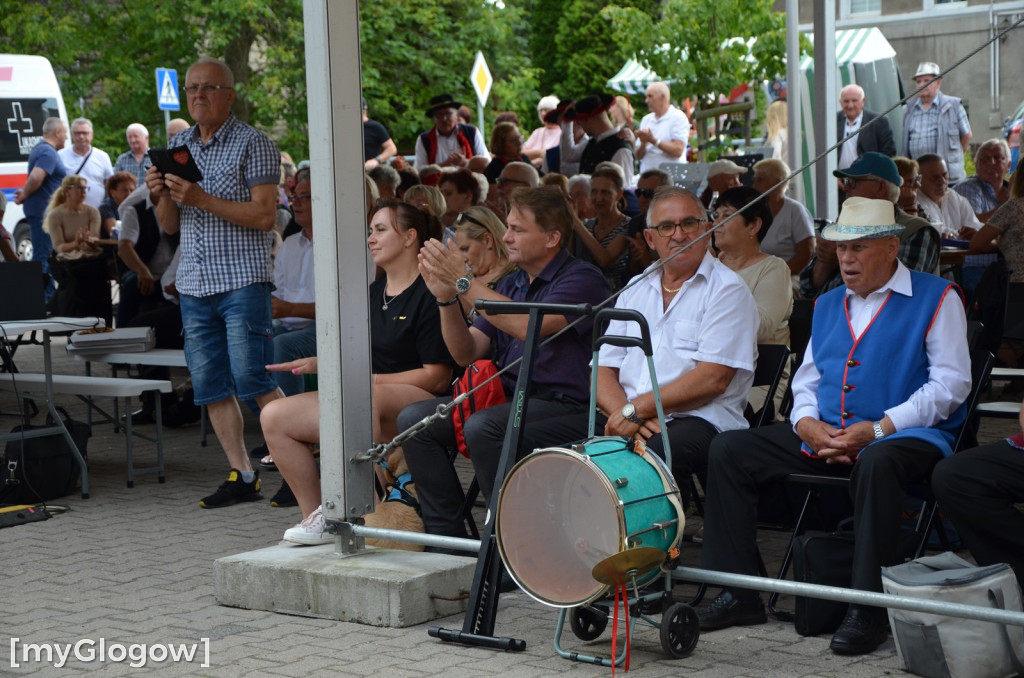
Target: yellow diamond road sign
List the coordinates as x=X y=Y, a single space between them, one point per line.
x=481 y=77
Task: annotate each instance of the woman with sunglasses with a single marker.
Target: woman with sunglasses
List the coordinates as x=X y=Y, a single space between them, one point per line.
x=605 y=238
x=479 y=239
x=409 y=361
x=738 y=240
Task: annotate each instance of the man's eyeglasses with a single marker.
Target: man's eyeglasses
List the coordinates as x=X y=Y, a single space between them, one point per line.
x=502 y=181
x=81 y=132
x=644 y=192
x=300 y=197
x=205 y=89
x=851 y=182
x=465 y=217
x=689 y=225
x=915 y=182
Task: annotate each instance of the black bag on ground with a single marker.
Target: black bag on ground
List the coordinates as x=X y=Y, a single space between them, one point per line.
x=47 y=469
x=827 y=559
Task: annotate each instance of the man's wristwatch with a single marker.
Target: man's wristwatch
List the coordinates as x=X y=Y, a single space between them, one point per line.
x=463 y=283
x=879 y=433
x=629 y=412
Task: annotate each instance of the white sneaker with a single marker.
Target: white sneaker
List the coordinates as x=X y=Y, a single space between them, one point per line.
x=311 y=531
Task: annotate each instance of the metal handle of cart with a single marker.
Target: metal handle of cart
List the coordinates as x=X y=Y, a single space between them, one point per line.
x=643 y=342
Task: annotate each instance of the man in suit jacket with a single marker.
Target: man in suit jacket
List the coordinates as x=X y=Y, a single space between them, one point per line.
x=877 y=137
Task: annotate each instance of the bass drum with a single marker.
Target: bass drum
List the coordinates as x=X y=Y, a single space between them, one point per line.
x=561 y=511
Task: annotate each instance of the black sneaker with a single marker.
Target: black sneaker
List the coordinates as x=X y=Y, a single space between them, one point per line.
x=727 y=610
x=284 y=497
x=234 y=490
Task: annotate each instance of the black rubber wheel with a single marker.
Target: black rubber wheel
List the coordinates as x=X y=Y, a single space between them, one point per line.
x=588 y=623
x=680 y=629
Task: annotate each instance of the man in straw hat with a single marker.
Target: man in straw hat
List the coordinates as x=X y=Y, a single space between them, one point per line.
x=878 y=399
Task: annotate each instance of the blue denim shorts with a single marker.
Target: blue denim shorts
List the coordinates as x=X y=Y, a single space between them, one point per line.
x=228 y=343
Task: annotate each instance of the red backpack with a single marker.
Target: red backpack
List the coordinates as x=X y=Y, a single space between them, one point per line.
x=492 y=393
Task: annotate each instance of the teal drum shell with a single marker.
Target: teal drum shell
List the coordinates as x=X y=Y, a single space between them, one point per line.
x=561 y=511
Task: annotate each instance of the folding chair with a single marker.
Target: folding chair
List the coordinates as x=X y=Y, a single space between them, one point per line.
x=771 y=363
x=1013 y=330
x=981 y=365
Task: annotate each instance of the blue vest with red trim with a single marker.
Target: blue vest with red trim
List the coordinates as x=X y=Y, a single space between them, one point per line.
x=862 y=378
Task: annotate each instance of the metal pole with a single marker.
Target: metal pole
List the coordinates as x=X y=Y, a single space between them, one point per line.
x=987 y=614
x=439 y=541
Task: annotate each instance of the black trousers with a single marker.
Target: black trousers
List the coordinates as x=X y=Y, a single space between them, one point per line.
x=689 y=438
x=427 y=454
x=977 y=489
x=741 y=462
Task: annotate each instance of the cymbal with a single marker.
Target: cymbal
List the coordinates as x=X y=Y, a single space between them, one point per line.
x=616 y=568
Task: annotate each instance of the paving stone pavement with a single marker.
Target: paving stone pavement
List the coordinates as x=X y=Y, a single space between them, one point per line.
x=135 y=566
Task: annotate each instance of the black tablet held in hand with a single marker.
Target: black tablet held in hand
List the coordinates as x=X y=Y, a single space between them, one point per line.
x=177 y=161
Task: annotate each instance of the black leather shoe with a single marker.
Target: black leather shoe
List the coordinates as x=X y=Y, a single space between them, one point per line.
x=727 y=610
x=862 y=631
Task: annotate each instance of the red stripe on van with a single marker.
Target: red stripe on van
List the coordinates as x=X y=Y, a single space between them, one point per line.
x=6 y=73
x=12 y=180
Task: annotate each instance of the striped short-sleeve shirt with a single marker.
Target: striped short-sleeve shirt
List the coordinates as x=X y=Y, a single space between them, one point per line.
x=217 y=255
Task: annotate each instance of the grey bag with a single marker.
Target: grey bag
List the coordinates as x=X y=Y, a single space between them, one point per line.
x=937 y=646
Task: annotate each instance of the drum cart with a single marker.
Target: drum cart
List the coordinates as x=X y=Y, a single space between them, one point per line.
x=605 y=515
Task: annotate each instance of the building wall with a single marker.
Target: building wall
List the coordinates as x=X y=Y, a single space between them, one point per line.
x=920 y=31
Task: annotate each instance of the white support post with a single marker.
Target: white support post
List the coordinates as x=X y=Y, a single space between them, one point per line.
x=339 y=209
x=826 y=191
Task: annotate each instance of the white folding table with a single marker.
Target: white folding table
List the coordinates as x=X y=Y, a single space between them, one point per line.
x=154 y=357
x=47 y=326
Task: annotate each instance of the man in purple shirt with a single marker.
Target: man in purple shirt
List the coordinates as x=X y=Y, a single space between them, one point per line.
x=539 y=226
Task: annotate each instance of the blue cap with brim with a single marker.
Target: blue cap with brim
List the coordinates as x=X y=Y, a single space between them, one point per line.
x=872 y=164
x=863 y=218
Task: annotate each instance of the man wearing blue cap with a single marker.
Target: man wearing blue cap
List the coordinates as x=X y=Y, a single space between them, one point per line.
x=878 y=399
x=873 y=175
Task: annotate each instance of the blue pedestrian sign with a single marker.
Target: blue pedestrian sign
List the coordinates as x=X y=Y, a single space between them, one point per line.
x=167 y=89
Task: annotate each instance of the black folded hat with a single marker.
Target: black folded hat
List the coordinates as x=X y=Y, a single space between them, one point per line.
x=442 y=101
x=554 y=116
x=590 y=106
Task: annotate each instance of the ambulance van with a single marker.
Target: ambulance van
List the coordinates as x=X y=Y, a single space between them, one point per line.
x=29 y=94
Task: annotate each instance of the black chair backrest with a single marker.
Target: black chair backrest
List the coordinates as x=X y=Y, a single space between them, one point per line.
x=981 y=367
x=989 y=305
x=771 y=362
x=974 y=332
x=800 y=327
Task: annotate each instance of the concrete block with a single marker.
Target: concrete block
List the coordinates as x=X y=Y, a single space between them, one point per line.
x=379 y=587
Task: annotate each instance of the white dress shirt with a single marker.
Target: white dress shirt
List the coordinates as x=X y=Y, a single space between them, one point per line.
x=949 y=374
x=293 y=276
x=712 y=319
x=848 y=151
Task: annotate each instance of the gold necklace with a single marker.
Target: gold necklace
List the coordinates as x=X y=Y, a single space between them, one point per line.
x=670 y=291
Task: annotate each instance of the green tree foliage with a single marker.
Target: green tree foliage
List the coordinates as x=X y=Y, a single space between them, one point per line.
x=105 y=53
x=689 y=42
x=413 y=50
x=588 y=50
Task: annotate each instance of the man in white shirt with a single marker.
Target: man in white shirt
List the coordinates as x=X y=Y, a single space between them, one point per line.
x=953 y=211
x=879 y=399
x=85 y=161
x=663 y=132
x=292 y=301
x=703 y=324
